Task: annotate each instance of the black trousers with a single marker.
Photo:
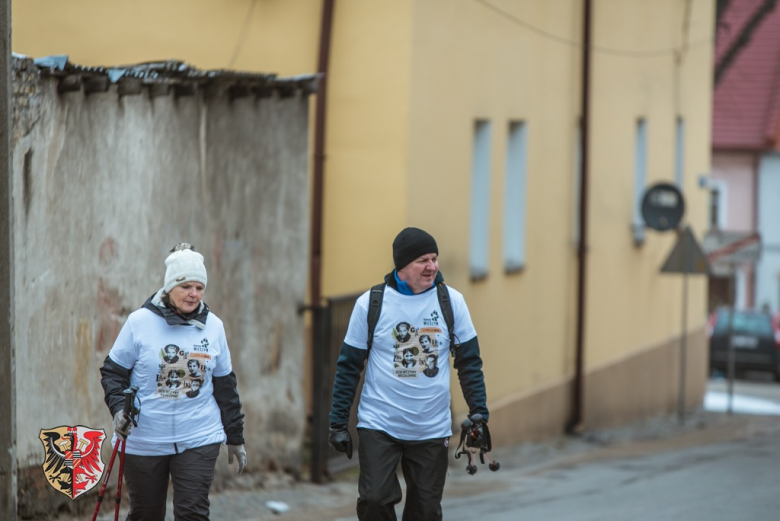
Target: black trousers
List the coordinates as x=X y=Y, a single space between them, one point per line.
x=424 y=466
x=191 y=472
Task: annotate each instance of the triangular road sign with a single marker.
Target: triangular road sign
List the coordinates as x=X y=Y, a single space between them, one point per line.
x=687 y=256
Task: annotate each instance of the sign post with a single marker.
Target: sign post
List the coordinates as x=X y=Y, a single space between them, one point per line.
x=663 y=207
x=686 y=257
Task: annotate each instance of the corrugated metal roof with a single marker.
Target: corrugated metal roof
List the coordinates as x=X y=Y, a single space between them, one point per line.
x=746 y=110
x=172 y=77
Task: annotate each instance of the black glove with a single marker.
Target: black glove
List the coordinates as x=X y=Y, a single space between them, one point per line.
x=340 y=439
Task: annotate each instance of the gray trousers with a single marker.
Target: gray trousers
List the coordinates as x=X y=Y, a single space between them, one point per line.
x=191 y=472
x=424 y=465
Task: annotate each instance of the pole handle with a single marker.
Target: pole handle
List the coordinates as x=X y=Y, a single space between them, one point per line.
x=128 y=407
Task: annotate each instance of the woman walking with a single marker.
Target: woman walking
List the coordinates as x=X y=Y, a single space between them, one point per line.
x=184 y=418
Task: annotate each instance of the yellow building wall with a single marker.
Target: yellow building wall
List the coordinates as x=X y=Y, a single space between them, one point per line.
x=524 y=64
x=472 y=63
x=630 y=305
x=366 y=168
x=262 y=36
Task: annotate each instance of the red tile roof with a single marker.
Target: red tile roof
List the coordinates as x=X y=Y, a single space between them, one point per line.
x=746 y=110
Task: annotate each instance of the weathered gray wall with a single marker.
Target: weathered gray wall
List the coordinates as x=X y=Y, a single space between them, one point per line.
x=103 y=187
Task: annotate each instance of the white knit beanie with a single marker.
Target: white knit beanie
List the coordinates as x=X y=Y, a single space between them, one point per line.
x=184 y=266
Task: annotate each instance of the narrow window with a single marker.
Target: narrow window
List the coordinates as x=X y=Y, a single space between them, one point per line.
x=515 y=198
x=480 y=201
x=679 y=153
x=640 y=179
x=717 y=208
x=714 y=208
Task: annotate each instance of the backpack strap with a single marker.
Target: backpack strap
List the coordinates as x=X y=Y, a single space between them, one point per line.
x=449 y=317
x=375 y=299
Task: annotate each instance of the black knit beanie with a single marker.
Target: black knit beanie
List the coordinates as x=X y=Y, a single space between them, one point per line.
x=410 y=244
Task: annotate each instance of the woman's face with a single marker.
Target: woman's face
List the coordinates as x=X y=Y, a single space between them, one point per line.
x=186 y=297
x=408 y=356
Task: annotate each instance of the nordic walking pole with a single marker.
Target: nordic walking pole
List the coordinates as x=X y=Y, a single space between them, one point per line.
x=119 y=481
x=105 y=480
x=128 y=410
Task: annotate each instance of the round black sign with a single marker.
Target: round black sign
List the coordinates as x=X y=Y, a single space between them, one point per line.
x=663 y=207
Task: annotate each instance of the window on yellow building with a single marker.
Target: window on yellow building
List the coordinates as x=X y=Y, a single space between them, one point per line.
x=679 y=153
x=640 y=179
x=480 y=201
x=515 y=198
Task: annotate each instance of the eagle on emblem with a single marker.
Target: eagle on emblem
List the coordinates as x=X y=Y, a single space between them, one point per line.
x=72 y=461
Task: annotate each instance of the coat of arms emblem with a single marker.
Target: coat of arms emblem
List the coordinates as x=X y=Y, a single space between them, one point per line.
x=72 y=462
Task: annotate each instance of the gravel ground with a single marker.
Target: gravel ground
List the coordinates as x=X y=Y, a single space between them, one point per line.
x=336 y=500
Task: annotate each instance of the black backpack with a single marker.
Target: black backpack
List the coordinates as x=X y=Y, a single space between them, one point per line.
x=376 y=297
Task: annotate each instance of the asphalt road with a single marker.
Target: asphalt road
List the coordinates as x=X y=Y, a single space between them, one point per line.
x=714 y=467
x=729 y=473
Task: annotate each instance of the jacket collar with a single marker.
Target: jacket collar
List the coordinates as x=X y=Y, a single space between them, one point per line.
x=197 y=318
x=390 y=281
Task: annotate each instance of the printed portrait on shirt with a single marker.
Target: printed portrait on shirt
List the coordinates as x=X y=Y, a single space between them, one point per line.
x=182 y=373
x=414 y=347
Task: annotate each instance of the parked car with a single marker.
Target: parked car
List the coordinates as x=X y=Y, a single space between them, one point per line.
x=754 y=337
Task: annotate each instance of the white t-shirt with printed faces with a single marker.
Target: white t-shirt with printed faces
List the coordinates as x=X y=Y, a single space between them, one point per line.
x=173 y=367
x=407 y=383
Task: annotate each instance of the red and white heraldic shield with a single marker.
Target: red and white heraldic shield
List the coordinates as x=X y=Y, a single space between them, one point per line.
x=72 y=463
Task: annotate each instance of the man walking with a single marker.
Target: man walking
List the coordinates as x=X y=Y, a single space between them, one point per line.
x=404 y=414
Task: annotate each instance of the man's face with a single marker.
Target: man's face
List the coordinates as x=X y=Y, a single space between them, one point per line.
x=421 y=272
x=430 y=362
x=193 y=365
x=402 y=330
x=195 y=385
x=170 y=351
x=425 y=342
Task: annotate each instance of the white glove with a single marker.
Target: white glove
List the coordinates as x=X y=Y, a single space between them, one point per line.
x=119 y=421
x=240 y=453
